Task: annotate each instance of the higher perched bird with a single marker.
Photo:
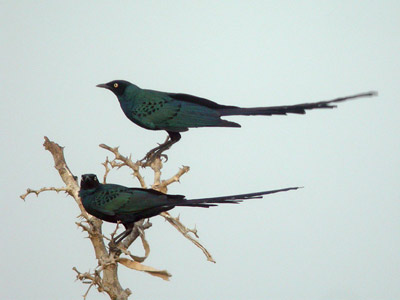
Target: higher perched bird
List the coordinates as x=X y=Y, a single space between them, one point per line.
x=113 y=202
x=176 y=113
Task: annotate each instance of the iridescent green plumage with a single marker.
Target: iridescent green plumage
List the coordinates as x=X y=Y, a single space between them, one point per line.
x=113 y=202
x=176 y=113
x=166 y=111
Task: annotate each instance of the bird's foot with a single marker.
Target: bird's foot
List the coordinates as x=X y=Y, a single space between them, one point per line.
x=155 y=153
x=152 y=156
x=113 y=246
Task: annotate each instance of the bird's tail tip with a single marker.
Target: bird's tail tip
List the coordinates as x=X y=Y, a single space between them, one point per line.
x=372 y=93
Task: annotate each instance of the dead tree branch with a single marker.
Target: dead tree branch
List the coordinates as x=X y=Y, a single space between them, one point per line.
x=120 y=161
x=186 y=232
x=108 y=282
x=105 y=277
x=44 y=189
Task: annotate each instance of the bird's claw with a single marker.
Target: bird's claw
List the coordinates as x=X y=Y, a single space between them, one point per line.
x=113 y=246
x=151 y=157
x=148 y=159
x=153 y=154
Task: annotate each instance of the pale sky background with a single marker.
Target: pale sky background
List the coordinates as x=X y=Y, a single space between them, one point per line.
x=338 y=238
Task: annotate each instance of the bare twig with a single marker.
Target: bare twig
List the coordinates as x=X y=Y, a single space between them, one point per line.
x=162 y=185
x=105 y=164
x=186 y=233
x=156 y=166
x=87 y=292
x=37 y=192
x=93 y=279
x=125 y=161
x=84 y=227
x=115 y=230
x=175 y=178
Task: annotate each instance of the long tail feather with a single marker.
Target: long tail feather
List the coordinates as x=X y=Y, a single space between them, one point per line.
x=234 y=199
x=288 y=109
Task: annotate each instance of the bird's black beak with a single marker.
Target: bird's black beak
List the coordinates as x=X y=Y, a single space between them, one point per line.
x=103 y=85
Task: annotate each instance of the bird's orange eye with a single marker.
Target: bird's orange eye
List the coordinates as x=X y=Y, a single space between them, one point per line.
x=115 y=85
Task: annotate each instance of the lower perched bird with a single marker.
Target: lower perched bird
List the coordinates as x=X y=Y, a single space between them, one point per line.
x=176 y=113
x=113 y=202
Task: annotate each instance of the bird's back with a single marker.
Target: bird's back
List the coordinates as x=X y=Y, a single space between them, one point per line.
x=112 y=202
x=172 y=112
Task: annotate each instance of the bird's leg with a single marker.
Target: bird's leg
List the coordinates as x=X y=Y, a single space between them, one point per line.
x=172 y=138
x=115 y=241
x=123 y=235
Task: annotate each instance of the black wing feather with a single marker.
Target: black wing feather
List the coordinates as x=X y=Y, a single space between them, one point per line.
x=199 y=100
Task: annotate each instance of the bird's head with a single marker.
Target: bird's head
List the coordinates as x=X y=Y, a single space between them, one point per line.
x=89 y=181
x=116 y=86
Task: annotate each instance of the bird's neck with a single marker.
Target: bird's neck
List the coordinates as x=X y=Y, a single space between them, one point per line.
x=86 y=192
x=130 y=94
